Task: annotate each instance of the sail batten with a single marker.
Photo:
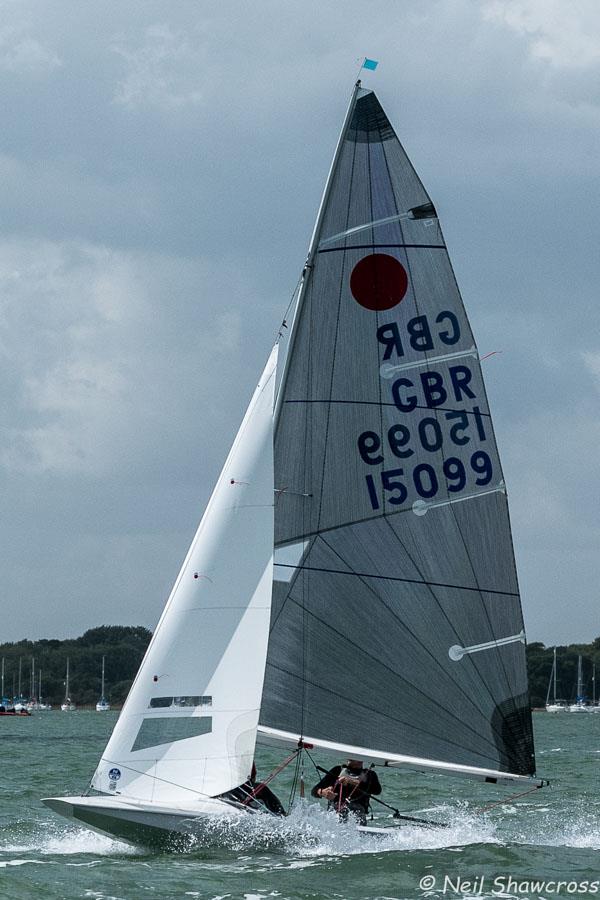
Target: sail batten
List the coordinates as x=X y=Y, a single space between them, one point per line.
x=458 y=587
x=374 y=246
x=383 y=411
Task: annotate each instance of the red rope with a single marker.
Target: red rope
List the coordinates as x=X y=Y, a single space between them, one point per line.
x=508 y=799
x=270 y=777
x=348 y=798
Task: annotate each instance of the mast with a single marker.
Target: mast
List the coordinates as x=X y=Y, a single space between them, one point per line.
x=20 y=671
x=39 y=686
x=102 y=689
x=2 y=679
x=312 y=247
x=579 y=678
x=551 y=680
x=67 y=682
x=32 y=686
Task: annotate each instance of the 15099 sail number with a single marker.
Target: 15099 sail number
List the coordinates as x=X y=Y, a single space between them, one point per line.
x=425 y=479
x=428 y=432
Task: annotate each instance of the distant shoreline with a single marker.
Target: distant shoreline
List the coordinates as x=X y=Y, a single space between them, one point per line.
x=123 y=648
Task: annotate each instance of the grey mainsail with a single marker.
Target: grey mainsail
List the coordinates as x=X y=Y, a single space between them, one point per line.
x=396 y=620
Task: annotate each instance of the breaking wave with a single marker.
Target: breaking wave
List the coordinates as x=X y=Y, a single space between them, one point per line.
x=310 y=831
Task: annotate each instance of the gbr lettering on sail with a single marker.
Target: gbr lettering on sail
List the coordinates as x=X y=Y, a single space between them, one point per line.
x=438 y=444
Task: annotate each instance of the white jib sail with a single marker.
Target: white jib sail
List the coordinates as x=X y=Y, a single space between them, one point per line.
x=188 y=727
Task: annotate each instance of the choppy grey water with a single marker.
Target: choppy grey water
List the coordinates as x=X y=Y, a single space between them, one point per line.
x=550 y=836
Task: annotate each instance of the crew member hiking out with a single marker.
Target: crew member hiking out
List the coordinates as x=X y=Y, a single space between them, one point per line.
x=256 y=794
x=348 y=789
x=264 y=794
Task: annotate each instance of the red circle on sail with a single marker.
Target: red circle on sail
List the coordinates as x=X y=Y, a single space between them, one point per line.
x=378 y=281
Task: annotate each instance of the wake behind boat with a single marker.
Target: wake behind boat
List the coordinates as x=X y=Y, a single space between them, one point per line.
x=351 y=587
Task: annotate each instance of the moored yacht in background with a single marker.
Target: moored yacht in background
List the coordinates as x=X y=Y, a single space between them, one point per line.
x=102 y=705
x=67 y=705
x=581 y=704
x=556 y=705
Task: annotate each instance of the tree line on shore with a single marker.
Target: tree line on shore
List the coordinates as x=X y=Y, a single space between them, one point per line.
x=124 y=646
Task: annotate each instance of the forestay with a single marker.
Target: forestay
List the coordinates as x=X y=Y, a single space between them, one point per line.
x=396 y=621
x=189 y=724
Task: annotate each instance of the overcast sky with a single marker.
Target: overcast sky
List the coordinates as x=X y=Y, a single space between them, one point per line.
x=160 y=170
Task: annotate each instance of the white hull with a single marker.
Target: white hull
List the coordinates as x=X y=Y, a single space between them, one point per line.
x=555 y=708
x=68 y=707
x=150 y=824
x=102 y=706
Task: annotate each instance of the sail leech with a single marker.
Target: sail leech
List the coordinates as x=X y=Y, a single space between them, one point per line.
x=383 y=410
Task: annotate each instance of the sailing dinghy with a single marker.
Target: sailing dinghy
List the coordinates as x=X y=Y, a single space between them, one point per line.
x=352 y=585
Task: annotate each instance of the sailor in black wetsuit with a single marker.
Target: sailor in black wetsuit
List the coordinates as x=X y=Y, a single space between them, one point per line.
x=255 y=794
x=348 y=789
